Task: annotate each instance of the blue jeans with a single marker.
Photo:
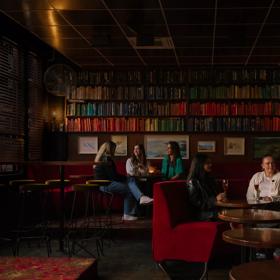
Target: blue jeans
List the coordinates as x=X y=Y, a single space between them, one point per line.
x=129 y=203
x=132 y=184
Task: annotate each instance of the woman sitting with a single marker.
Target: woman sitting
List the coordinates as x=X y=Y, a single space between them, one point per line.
x=172 y=164
x=105 y=168
x=202 y=189
x=136 y=166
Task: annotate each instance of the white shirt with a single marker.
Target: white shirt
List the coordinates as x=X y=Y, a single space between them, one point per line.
x=268 y=186
x=135 y=170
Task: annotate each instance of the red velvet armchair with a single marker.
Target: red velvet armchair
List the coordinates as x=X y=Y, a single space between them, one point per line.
x=175 y=236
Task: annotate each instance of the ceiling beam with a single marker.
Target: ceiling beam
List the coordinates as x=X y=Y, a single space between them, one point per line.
x=260 y=31
x=123 y=31
x=82 y=36
x=168 y=32
x=214 y=32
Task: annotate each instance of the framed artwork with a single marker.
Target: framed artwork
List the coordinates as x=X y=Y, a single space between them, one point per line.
x=156 y=145
x=206 y=146
x=121 y=141
x=87 y=145
x=266 y=145
x=234 y=146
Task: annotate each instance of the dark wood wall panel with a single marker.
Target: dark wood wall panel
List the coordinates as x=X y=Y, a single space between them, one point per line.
x=12 y=107
x=12 y=149
x=36 y=110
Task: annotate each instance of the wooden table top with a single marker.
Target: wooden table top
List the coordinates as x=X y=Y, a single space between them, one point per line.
x=150 y=176
x=241 y=203
x=250 y=216
x=253 y=237
x=233 y=203
x=80 y=176
x=262 y=270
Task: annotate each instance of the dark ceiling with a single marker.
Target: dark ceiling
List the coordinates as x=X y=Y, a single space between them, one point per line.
x=133 y=33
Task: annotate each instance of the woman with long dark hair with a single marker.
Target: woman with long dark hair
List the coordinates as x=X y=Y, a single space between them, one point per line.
x=137 y=166
x=202 y=188
x=172 y=163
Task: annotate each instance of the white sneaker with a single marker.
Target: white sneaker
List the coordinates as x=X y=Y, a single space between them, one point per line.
x=127 y=217
x=146 y=200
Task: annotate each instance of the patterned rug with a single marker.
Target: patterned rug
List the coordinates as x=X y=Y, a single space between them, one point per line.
x=42 y=268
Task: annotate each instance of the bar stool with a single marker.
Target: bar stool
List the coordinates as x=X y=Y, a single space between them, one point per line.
x=16 y=183
x=81 y=231
x=30 y=226
x=56 y=182
x=105 y=223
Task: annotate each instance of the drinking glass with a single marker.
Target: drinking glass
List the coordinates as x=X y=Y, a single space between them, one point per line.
x=257 y=189
x=225 y=185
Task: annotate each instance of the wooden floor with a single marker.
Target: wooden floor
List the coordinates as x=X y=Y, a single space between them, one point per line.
x=128 y=256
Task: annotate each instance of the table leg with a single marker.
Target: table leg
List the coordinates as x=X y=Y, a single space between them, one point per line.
x=61 y=222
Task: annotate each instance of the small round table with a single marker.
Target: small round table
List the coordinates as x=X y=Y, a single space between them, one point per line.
x=241 y=203
x=268 y=270
x=249 y=216
x=233 y=203
x=253 y=237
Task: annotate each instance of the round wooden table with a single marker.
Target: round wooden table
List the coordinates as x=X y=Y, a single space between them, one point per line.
x=241 y=203
x=233 y=203
x=262 y=270
x=253 y=237
x=249 y=216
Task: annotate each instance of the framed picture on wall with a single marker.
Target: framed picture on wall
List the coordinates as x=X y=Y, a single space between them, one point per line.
x=206 y=146
x=266 y=145
x=121 y=141
x=87 y=145
x=156 y=145
x=234 y=146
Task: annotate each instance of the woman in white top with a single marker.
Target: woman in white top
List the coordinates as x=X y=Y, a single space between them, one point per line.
x=137 y=165
x=268 y=181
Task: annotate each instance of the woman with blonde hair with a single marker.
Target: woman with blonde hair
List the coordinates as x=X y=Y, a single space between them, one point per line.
x=105 y=168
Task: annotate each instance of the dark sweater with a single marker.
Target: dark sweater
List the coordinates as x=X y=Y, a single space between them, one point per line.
x=107 y=170
x=202 y=198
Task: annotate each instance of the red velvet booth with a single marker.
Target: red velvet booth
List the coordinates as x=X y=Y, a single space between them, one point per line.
x=175 y=236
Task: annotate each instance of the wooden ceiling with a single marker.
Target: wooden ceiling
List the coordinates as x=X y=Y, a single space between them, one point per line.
x=103 y=33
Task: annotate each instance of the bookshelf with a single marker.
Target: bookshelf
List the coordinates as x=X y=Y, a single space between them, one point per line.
x=191 y=101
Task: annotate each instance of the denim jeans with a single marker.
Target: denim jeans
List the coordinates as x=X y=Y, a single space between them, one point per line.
x=129 y=204
x=132 y=184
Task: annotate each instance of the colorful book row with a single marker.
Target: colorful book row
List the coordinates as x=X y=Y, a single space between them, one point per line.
x=174 y=93
x=127 y=93
x=126 y=109
x=124 y=125
x=234 y=109
x=192 y=124
x=227 y=124
x=235 y=92
x=184 y=76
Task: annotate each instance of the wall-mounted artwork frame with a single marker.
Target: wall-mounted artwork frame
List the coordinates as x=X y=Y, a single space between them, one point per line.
x=87 y=145
x=156 y=145
x=121 y=141
x=234 y=146
x=206 y=146
x=266 y=145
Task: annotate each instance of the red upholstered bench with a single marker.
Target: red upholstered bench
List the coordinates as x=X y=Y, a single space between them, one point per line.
x=26 y=268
